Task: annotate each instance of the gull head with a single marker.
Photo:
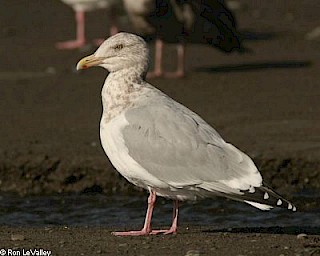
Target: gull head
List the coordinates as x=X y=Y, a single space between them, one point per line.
x=119 y=52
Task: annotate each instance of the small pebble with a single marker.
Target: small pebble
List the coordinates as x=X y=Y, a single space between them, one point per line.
x=313 y=34
x=234 y=5
x=17 y=237
x=62 y=242
x=51 y=70
x=193 y=253
x=302 y=236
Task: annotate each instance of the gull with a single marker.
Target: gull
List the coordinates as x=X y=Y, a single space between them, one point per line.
x=181 y=21
x=80 y=7
x=162 y=146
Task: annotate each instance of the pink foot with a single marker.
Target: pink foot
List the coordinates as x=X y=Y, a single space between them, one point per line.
x=154 y=74
x=145 y=233
x=98 y=41
x=74 y=44
x=146 y=230
x=142 y=232
x=177 y=74
x=113 y=30
x=164 y=231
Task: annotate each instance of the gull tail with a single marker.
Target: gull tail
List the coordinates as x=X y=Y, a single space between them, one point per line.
x=264 y=198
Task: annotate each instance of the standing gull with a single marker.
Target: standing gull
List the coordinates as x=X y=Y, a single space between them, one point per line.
x=80 y=7
x=160 y=145
x=182 y=21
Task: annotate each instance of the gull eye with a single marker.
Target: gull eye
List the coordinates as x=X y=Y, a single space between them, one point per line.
x=118 y=47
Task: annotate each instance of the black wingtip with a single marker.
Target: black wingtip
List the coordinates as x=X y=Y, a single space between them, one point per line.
x=264 y=195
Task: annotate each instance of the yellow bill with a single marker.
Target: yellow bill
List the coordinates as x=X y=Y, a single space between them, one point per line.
x=89 y=61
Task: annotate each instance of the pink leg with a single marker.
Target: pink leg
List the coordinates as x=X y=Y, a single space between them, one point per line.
x=174 y=226
x=80 y=40
x=157 y=72
x=113 y=28
x=113 y=21
x=147 y=223
x=180 y=65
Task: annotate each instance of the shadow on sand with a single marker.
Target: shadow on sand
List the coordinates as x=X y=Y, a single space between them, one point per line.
x=257 y=36
x=294 y=230
x=255 y=66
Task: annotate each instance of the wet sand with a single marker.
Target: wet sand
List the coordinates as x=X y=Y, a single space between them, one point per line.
x=265 y=103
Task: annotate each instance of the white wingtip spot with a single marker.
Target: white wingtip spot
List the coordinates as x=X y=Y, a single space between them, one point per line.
x=279 y=202
x=263 y=207
x=252 y=189
x=289 y=206
x=266 y=196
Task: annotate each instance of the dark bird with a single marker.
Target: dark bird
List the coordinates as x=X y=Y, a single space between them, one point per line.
x=183 y=21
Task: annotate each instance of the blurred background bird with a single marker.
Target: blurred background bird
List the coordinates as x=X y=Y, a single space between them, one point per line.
x=181 y=21
x=80 y=7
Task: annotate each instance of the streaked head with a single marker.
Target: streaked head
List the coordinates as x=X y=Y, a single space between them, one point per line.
x=121 y=51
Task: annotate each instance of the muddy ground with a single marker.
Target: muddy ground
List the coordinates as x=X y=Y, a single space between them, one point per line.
x=265 y=102
x=194 y=241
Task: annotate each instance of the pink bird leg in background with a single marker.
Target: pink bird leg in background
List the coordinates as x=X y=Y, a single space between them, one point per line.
x=80 y=40
x=158 y=70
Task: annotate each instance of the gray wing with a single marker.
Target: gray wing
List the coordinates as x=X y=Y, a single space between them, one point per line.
x=178 y=147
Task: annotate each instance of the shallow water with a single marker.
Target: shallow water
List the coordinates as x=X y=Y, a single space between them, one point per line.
x=124 y=211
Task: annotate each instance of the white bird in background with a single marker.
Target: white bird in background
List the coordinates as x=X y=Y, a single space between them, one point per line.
x=181 y=21
x=160 y=145
x=80 y=7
